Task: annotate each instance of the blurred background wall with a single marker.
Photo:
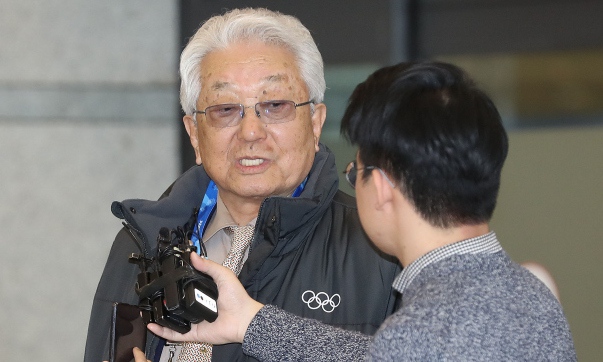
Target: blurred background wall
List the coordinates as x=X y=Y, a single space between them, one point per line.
x=87 y=104
x=89 y=114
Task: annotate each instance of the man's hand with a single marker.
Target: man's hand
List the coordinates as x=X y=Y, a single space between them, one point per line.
x=139 y=355
x=235 y=310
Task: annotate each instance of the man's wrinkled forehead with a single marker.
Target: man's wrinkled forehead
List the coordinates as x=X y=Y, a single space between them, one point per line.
x=271 y=79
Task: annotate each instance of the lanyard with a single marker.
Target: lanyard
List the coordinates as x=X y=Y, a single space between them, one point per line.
x=208 y=205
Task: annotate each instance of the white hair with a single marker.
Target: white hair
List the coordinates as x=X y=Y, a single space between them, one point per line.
x=267 y=26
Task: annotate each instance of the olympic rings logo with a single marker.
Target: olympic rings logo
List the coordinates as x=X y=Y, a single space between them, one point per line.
x=321 y=300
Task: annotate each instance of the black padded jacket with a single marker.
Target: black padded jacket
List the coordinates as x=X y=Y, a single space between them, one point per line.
x=302 y=246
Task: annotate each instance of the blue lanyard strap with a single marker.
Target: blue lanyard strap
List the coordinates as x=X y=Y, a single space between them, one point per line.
x=208 y=206
x=205 y=210
x=300 y=188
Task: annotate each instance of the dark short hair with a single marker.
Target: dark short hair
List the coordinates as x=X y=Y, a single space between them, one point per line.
x=436 y=134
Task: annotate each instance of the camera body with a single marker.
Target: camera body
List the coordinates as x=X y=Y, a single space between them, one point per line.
x=172 y=293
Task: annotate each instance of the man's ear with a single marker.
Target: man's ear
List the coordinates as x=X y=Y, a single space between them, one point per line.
x=383 y=188
x=193 y=134
x=318 y=120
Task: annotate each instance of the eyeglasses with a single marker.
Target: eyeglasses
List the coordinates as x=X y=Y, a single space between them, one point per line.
x=351 y=172
x=270 y=112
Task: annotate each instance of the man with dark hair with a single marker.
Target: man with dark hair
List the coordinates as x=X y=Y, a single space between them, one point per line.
x=431 y=147
x=445 y=147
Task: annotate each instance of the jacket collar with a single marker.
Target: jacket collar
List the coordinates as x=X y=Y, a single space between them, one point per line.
x=175 y=206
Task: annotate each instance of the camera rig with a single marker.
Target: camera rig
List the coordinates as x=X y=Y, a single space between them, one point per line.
x=172 y=293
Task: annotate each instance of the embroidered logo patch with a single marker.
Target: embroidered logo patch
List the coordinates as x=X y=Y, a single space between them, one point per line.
x=321 y=300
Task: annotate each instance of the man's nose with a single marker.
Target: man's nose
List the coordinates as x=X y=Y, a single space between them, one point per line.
x=252 y=127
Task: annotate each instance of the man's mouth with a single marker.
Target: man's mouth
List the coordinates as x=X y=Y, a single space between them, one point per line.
x=251 y=162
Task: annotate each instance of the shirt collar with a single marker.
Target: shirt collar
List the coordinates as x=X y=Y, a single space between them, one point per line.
x=220 y=220
x=487 y=243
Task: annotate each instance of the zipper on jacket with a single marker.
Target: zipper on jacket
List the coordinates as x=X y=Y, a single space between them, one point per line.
x=269 y=224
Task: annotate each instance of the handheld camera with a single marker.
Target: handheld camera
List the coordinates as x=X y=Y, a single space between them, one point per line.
x=172 y=293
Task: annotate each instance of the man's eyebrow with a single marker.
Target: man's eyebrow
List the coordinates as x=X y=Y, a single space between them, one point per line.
x=276 y=78
x=216 y=86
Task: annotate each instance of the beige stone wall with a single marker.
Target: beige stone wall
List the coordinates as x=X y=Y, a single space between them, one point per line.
x=87 y=105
